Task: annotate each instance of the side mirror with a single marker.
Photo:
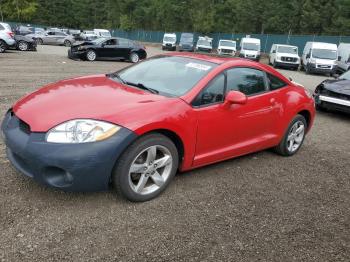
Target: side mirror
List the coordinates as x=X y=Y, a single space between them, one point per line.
x=339 y=58
x=274 y=51
x=308 y=56
x=235 y=97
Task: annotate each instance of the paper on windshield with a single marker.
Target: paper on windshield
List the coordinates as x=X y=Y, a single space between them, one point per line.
x=198 y=66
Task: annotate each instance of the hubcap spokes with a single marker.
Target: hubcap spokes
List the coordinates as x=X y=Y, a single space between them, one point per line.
x=296 y=136
x=150 y=170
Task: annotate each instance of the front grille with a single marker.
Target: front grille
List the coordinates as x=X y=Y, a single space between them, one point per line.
x=335 y=95
x=324 y=66
x=227 y=51
x=289 y=59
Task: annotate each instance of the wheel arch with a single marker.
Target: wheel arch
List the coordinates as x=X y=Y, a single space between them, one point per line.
x=307 y=115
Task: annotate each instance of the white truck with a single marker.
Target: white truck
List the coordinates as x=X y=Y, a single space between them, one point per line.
x=343 y=61
x=102 y=33
x=285 y=56
x=204 y=44
x=319 y=57
x=169 y=41
x=227 y=47
x=250 y=48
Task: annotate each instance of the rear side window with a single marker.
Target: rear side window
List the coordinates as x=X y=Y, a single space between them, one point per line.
x=123 y=42
x=249 y=81
x=212 y=94
x=2 y=28
x=274 y=82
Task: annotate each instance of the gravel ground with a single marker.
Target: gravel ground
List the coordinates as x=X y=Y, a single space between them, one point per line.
x=258 y=207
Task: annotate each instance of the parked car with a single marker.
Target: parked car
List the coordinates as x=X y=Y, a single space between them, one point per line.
x=88 y=35
x=53 y=38
x=109 y=49
x=204 y=44
x=250 y=48
x=24 y=43
x=334 y=94
x=23 y=30
x=343 y=61
x=285 y=56
x=186 y=42
x=227 y=47
x=169 y=42
x=102 y=33
x=6 y=37
x=135 y=128
x=75 y=33
x=319 y=58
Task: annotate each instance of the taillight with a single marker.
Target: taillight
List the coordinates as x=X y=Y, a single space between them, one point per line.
x=11 y=34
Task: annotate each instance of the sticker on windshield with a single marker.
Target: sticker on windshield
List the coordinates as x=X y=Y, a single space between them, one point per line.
x=198 y=66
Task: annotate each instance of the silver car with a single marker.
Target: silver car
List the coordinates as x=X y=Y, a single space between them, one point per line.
x=52 y=38
x=6 y=37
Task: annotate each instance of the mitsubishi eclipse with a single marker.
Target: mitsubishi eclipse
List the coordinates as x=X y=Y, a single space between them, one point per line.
x=135 y=128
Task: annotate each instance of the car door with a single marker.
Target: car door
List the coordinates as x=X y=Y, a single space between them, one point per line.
x=272 y=54
x=59 y=38
x=226 y=131
x=49 y=38
x=109 y=49
x=124 y=48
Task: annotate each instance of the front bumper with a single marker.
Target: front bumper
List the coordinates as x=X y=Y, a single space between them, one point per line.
x=332 y=103
x=69 y=167
x=287 y=65
x=186 y=48
x=76 y=54
x=169 y=47
x=313 y=68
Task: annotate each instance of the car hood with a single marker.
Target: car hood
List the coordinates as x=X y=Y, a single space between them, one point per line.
x=338 y=86
x=94 y=97
x=227 y=47
x=288 y=55
x=325 y=61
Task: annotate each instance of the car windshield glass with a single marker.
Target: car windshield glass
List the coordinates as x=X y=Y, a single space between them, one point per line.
x=89 y=32
x=186 y=39
x=345 y=76
x=168 y=75
x=204 y=42
x=169 y=39
x=324 y=54
x=251 y=46
x=98 y=41
x=228 y=43
x=288 y=50
x=105 y=34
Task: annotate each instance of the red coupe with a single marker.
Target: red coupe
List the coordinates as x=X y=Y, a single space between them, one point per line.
x=134 y=129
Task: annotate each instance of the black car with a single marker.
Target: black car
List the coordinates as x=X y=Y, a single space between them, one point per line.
x=108 y=49
x=334 y=94
x=24 y=43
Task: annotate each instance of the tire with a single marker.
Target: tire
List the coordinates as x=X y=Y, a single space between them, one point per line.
x=307 y=70
x=67 y=43
x=3 y=46
x=274 y=65
x=134 y=57
x=22 y=46
x=91 y=55
x=140 y=186
x=39 y=41
x=284 y=148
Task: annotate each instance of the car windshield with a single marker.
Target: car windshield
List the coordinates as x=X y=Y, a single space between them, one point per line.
x=105 y=34
x=186 y=39
x=98 y=41
x=167 y=75
x=169 y=39
x=324 y=54
x=288 y=50
x=89 y=32
x=251 y=46
x=204 y=43
x=345 y=76
x=228 y=43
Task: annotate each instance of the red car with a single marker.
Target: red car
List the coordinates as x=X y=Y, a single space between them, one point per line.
x=134 y=129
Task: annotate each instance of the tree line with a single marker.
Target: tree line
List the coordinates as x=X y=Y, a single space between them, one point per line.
x=330 y=17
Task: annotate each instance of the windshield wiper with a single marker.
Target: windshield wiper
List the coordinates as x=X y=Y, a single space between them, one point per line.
x=142 y=86
x=116 y=75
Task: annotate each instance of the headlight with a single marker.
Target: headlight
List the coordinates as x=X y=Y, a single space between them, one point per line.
x=312 y=61
x=81 y=131
x=81 y=48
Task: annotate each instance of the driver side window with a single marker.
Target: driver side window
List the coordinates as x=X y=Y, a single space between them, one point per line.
x=213 y=93
x=111 y=42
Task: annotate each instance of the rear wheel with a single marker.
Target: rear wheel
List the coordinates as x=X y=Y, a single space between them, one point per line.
x=23 y=46
x=3 y=46
x=293 y=138
x=134 y=57
x=91 y=55
x=146 y=168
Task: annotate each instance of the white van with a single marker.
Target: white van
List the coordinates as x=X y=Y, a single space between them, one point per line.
x=102 y=33
x=319 y=58
x=169 y=41
x=343 y=63
x=284 y=56
x=227 y=47
x=204 y=44
x=250 y=48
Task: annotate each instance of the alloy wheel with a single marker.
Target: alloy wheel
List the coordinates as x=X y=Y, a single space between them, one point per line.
x=23 y=46
x=150 y=170
x=2 y=47
x=91 y=55
x=134 y=58
x=295 y=136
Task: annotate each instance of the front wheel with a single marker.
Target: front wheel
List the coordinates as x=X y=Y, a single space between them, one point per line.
x=3 y=46
x=39 y=41
x=293 y=138
x=146 y=168
x=67 y=43
x=91 y=55
x=23 y=46
x=134 y=57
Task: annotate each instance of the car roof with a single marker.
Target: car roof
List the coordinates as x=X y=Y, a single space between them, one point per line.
x=322 y=45
x=287 y=45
